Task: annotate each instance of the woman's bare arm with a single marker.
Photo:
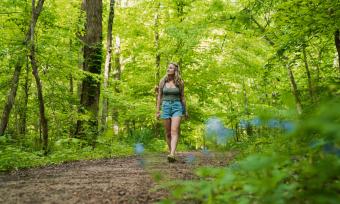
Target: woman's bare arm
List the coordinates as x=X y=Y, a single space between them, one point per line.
x=183 y=100
x=159 y=98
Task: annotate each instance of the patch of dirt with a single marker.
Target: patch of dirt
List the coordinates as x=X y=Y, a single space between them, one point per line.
x=131 y=179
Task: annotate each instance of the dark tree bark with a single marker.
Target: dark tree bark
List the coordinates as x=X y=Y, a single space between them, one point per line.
x=20 y=61
x=90 y=90
x=34 y=64
x=337 y=45
x=107 y=63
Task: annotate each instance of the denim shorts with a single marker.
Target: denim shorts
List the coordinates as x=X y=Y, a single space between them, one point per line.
x=171 y=109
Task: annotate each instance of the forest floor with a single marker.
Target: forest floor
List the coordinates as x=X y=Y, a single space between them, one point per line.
x=132 y=179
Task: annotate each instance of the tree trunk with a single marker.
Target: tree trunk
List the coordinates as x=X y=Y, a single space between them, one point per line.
x=294 y=89
x=337 y=45
x=180 y=41
x=318 y=68
x=43 y=120
x=118 y=70
x=118 y=65
x=71 y=92
x=107 y=63
x=18 y=66
x=310 y=85
x=11 y=97
x=23 y=112
x=318 y=63
x=158 y=55
x=90 y=90
x=158 y=62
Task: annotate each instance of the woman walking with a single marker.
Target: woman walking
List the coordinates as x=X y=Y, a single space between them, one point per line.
x=171 y=97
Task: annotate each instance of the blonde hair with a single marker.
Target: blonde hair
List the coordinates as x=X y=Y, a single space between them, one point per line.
x=178 y=79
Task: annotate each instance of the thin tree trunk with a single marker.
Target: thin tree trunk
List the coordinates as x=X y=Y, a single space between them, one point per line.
x=118 y=66
x=20 y=61
x=43 y=120
x=337 y=45
x=23 y=112
x=90 y=92
x=294 y=89
x=71 y=71
x=180 y=42
x=318 y=63
x=71 y=119
x=158 y=55
x=107 y=63
x=11 y=97
x=158 y=62
x=71 y=92
x=310 y=85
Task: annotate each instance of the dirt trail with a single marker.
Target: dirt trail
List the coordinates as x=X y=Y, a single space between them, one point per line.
x=116 y=180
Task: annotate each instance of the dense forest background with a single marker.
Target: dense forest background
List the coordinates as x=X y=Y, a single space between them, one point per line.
x=78 y=79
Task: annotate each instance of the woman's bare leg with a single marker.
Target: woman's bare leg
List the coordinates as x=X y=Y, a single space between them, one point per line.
x=175 y=124
x=167 y=127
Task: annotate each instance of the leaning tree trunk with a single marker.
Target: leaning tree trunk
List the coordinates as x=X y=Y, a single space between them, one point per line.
x=43 y=120
x=90 y=90
x=294 y=89
x=337 y=45
x=107 y=63
x=11 y=97
x=20 y=61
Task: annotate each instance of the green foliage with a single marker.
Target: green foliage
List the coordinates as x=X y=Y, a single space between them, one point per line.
x=298 y=167
x=233 y=57
x=63 y=150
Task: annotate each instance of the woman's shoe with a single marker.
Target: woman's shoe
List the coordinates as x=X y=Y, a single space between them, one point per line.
x=171 y=158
